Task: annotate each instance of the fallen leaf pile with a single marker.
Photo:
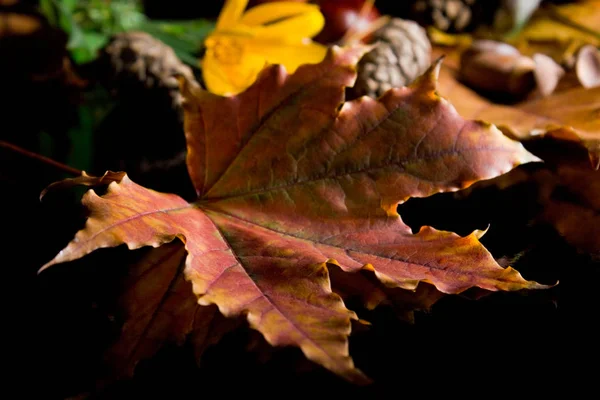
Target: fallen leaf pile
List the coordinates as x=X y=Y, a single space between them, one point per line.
x=559 y=31
x=294 y=182
x=563 y=129
x=567 y=189
x=571 y=202
x=571 y=115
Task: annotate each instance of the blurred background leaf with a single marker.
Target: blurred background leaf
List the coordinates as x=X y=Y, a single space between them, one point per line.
x=91 y=23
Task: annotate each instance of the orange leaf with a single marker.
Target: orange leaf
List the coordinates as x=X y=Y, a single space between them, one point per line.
x=288 y=181
x=159 y=306
x=568 y=194
x=576 y=216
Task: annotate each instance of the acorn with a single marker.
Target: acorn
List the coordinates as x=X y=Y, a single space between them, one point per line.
x=499 y=69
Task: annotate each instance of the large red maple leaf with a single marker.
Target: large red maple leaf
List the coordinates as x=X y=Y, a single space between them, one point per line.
x=289 y=178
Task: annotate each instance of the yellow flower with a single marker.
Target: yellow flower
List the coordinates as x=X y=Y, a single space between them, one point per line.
x=242 y=44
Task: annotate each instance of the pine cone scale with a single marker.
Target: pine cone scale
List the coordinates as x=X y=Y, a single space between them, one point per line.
x=453 y=16
x=402 y=53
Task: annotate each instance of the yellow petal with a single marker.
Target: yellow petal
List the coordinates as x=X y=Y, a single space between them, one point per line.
x=229 y=79
x=287 y=21
x=270 y=12
x=271 y=33
x=289 y=55
x=231 y=13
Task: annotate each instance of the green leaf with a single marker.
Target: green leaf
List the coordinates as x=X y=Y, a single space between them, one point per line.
x=68 y=5
x=75 y=38
x=185 y=37
x=65 y=18
x=84 y=46
x=49 y=11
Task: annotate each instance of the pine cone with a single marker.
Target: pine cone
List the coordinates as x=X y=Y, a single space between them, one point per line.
x=402 y=54
x=453 y=15
x=135 y=64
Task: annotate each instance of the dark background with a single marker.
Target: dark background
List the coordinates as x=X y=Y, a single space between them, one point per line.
x=60 y=322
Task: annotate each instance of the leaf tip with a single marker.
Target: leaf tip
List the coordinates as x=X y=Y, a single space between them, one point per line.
x=429 y=79
x=435 y=67
x=58 y=184
x=349 y=55
x=188 y=87
x=46 y=266
x=527 y=157
x=359 y=378
x=535 y=285
x=514 y=281
x=478 y=233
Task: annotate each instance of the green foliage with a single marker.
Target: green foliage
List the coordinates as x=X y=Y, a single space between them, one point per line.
x=91 y=23
x=185 y=37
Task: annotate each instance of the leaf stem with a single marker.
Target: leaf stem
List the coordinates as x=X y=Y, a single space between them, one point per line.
x=40 y=158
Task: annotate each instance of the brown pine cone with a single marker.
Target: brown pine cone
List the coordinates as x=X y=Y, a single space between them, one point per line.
x=136 y=64
x=403 y=52
x=453 y=15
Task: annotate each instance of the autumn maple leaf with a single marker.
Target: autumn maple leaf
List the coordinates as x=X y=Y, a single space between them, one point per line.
x=290 y=178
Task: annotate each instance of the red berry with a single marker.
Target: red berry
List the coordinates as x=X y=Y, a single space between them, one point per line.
x=342 y=15
x=253 y=3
